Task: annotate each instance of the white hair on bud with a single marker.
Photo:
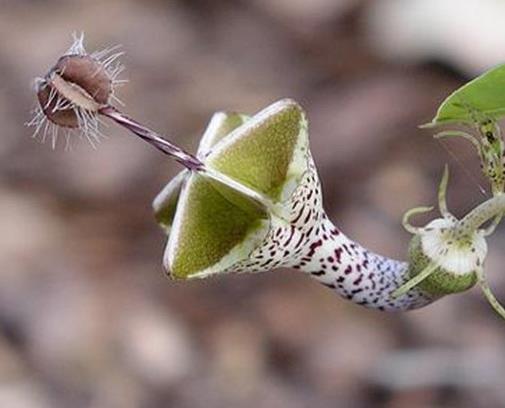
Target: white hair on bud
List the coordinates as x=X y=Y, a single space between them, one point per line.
x=108 y=59
x=88 y=121
x=77 y=47
x=44 y=128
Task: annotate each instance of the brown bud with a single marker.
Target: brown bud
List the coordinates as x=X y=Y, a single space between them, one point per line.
x=62 y=117
x=88 y=73
x=77 y=83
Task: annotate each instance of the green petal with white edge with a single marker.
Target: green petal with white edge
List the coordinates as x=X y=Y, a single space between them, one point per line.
x=210 y=231
x=220 y=125
x=268 y=153
x=165 y=203
x=482 y=96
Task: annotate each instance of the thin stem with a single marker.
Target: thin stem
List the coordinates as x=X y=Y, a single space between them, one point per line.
x=490 y=229
x=489 y=294
x=416 y=280
x=459 y=133
x=482 y=213
x=442 y=193
x=186 y=159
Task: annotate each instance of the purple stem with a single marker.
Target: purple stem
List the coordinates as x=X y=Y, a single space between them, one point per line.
x=181 y=156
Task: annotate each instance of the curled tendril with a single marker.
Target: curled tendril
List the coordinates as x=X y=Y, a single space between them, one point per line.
x=442 y=194
x=414 y=211
x=442 y=206
x=484 y=286
x=459 y=133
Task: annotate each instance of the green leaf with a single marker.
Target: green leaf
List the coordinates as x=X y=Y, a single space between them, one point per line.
x=483 y=97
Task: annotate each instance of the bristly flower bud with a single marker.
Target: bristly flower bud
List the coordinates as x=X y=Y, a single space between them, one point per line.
x=79 y=89
x=72 y=92
x=448 y=254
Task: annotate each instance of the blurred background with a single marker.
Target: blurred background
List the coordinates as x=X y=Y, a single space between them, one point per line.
x=87 y=318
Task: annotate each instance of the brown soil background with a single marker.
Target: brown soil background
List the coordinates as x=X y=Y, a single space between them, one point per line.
x=87 y=318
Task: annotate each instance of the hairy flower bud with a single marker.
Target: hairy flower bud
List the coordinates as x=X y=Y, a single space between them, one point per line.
x=75 y=88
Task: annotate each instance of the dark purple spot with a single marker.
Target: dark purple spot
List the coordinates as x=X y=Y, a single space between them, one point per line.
x=314 y=246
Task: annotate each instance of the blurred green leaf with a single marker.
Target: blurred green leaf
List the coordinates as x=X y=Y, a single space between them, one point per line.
x=484 y=96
